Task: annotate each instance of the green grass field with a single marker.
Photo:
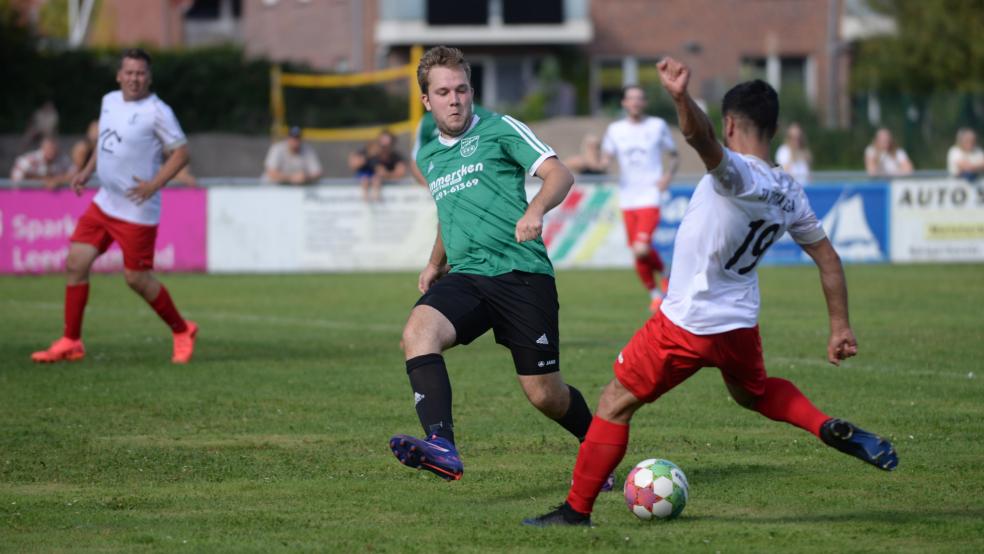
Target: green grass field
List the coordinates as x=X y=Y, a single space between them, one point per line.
x=275 y=437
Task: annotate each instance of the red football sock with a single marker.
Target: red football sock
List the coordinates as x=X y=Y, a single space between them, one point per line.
x=601 y=451
x=76 y=297
x=165 y=308
x=782 y=401
x=655 y=261
x=644 y=268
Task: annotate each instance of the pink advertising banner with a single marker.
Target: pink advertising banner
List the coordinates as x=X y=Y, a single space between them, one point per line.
x=35 y=226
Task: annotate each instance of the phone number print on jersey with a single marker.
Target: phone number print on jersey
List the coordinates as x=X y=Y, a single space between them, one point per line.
x=453 y=182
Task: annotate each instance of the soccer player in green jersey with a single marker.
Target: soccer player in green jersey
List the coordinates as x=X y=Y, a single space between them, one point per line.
x=489 y=268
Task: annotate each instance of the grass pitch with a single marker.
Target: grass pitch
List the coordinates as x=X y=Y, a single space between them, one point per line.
x=275 y=437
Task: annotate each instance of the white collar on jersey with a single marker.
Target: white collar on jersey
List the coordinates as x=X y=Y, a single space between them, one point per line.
x=453 y=141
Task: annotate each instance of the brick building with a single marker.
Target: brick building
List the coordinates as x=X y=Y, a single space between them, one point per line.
x=794 y=44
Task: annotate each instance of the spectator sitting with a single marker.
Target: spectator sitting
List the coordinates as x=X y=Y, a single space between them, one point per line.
x=291 y=162
x=589 y=161
x=43 y=123
x=794 y=155
x=965 y=159
x=46 y=164
x=383 y=163
x=883 y=158
x=84 y=148
x=360 y=162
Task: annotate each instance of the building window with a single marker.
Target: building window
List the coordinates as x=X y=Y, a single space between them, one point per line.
x=212 y=9
x=457 y=12
x=792 y=72
x=520 y=12
x=615 y=74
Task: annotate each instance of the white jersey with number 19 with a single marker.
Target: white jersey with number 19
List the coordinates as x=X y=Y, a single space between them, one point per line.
x=738 y=210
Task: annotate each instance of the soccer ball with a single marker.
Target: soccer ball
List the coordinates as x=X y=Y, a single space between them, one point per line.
x=656 y=489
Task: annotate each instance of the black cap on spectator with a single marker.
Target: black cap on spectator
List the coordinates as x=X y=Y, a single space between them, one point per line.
x=294 y=131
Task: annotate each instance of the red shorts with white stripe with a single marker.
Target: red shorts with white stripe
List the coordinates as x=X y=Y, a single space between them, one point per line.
x=100 y=230
x=662 y=355
x=640 y=224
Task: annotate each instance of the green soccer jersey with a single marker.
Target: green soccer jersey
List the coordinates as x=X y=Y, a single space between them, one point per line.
x=478 y=182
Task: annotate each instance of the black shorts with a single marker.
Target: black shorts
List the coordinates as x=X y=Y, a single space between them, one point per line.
x=520 y=308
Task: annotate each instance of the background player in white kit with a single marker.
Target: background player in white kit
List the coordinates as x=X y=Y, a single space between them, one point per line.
x=639 y=142
x=135 y=128
x=709 y=318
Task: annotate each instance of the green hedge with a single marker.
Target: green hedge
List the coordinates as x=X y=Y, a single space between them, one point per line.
x=215 y=89
x=211 y=89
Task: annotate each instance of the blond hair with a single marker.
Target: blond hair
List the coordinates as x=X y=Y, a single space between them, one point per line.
x=440 y=56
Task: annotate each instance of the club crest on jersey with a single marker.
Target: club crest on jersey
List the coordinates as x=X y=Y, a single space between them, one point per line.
x=469 y=146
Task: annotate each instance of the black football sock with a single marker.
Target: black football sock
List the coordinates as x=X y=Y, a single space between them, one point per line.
x=578 y=416
x=432 y=394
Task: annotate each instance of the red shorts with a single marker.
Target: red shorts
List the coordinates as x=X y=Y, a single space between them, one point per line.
x=640 y=224
x=662 y=355
x=136 y=241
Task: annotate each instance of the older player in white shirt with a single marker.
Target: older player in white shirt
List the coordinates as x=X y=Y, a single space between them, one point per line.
x=639 y=142
x=135 y=129
x=709 y=318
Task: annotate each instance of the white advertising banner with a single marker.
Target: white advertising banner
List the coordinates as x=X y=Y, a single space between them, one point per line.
x=937 y=220
x=278 y=229
x=318 y=229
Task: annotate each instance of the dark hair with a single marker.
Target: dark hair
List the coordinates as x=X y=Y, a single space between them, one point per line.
x=440 y=56
x=757 y=102
x=135 y=54
x=627 y=88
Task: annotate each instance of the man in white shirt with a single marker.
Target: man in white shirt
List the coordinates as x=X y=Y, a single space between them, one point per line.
x=46 y=164
x=709 y=318
x=639 y=142
x=291 y=161
x=135 y=129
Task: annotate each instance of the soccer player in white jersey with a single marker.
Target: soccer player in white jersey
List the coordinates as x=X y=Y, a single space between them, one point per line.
x=739 y=209
x=639 y=142
x=135 y=129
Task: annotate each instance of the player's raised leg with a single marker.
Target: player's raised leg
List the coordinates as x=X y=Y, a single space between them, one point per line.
x=426 y=335
x=77 y=266
x=781 y=400
x=157 y=296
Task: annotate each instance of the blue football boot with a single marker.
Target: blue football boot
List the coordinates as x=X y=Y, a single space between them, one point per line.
x=850 y=439
x=435 y=454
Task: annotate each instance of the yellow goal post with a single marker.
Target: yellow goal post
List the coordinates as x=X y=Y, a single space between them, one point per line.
x=280 y=79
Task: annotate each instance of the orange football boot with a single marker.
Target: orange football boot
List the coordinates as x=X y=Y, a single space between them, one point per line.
x=62 y=350
x=184 y=344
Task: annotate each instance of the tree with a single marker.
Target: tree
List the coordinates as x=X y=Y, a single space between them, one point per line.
x=937 y=47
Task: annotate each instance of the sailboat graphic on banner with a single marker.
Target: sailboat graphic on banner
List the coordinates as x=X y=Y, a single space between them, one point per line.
x=847 y=227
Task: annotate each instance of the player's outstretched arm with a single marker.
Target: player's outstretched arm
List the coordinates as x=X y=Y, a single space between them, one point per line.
x=694 y=124
x=842 y=343
x=557 y=182
x=437 y=264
